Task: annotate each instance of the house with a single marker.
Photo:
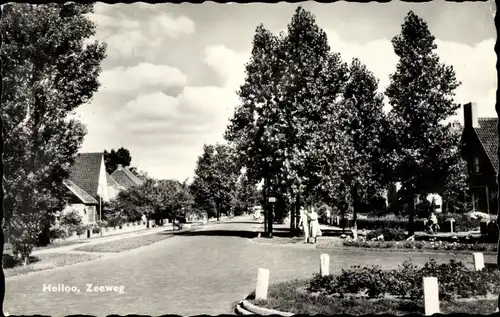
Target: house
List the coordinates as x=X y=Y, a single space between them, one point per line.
x=125 y=178
x=479 y=148
x=88 y=185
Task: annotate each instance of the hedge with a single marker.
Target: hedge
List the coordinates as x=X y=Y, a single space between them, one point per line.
x=462 y=222
x=455 y=281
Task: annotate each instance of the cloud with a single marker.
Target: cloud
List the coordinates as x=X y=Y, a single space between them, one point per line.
x=165 y=133
x=474 y=66
x=229 y=64
x=165 y=24
x=130 y=80
x=128 y=37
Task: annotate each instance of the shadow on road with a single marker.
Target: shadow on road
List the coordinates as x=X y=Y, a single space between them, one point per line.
x=231 y=233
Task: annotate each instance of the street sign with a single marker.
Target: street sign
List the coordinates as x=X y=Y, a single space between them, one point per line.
x=272 y=199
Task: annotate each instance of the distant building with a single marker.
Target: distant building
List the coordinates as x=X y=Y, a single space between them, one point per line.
x=479 y=148
x=125 y=178
x=88 y=183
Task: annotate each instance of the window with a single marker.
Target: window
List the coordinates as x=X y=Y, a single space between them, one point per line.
x=476 y=164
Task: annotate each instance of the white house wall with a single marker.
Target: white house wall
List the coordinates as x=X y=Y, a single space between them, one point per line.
x=113 y=192
x=88 y=213
x=103 y=182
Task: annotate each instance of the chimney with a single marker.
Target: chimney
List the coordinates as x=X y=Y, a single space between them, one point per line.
x=119 y=167
x=470 y=116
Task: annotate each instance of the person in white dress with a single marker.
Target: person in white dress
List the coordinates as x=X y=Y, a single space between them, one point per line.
x=304 y=224
x=313 y=224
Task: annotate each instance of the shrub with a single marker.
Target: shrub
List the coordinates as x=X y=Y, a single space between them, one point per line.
x=96 y=230
x=57 y=232
x=455 y=281
x=71 y=221
x=390 y=234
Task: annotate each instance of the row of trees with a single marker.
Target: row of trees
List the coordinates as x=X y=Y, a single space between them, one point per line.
x=219 y=186
x=313 y=127
x=170 y=199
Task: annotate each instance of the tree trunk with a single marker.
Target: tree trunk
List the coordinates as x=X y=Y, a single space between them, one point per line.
x=355 y=211
x=26 y=260
x=411 y=214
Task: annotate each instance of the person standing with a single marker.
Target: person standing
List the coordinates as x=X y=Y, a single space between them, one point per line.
x=304 y=224
x=313 y=224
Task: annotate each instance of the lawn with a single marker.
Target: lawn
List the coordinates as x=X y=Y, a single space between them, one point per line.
x=289 y=297
x=44 y=262
x=125 y=244
x=57 y=244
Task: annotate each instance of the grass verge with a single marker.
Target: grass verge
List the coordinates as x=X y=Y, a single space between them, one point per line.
x=287 y=297
x=279 y=240
x=57 y=244
x=125 y=244
x=47 y=261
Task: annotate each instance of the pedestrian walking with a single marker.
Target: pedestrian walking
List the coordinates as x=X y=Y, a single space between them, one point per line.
x=304 y=224
x=314 y=224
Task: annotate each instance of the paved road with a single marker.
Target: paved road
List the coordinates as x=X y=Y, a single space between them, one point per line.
x=202 y=272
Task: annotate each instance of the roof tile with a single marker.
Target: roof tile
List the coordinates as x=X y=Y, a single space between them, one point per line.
x=488 y=136
x=85 y=172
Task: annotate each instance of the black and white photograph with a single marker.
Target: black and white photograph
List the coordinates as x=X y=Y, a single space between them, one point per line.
x=249 y=158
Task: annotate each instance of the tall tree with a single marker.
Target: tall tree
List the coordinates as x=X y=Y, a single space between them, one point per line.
x=421 y=94
x=157 y=199
x=49 y=70
x=292 y=80
x=246 y=195
x=215 y=179
x=114 y=158
x=364 y=123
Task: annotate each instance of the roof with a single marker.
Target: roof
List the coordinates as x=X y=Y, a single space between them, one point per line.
x=80 y=193
x=488 y=136
x=85 y=172
x=125 y=178
x=142 y=178
x=111 y=181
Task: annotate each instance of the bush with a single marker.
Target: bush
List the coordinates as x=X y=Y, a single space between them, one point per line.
x=455 y=281
x=390 y=234
x=96 y=230
x=57 y=233
x=389 y=221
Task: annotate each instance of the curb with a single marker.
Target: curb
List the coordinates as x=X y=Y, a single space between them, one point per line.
x=247 y=308
x=242 y=311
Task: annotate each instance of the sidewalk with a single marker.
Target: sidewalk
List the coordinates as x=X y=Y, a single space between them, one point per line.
x=98 y=240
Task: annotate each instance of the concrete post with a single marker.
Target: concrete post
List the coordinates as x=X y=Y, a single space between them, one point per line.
x=324 y=267
x=431 y=295
x=478 y=261
x=262 y=284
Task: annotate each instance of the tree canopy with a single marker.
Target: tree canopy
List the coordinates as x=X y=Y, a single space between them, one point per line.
x=421 y=95
x=114 y=158
x=50 y=68
x=215 y=179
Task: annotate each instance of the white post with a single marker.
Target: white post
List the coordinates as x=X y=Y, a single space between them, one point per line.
x=478 y=261
x=431 y=295
x=262 y=284
x=324 y=265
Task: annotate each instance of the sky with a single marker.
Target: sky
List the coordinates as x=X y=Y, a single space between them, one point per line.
x=169 y=81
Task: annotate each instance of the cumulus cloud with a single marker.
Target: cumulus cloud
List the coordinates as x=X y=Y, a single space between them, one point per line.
x=153 y=124
x=474 y=67
x=130 y=80
x=165 y=24
x=127 y=37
